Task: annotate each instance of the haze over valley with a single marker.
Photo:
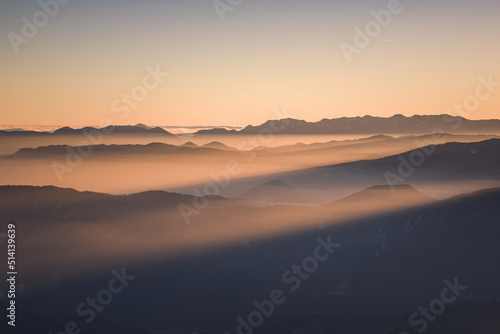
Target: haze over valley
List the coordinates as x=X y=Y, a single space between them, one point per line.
x=250 y=167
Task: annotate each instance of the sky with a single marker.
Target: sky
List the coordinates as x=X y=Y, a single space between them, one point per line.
x=222 y=64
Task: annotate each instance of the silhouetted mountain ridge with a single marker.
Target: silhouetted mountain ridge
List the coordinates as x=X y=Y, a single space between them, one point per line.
x=151 y=148
x=122 y=129
x=397 y=124
x=111 y=129
x=388 y=193
x=449 y=161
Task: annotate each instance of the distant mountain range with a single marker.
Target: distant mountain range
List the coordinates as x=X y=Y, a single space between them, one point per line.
x=473 y=163
x=111 y=129
x=390 y=144
x=447 y=162
x=152 y=148
x=397 y=124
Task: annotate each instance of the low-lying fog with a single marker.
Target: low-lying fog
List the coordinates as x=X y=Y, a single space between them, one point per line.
x=131 y=170
x=67 y=230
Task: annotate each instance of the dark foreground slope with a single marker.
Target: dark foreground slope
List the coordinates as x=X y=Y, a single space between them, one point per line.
x=381 y=270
